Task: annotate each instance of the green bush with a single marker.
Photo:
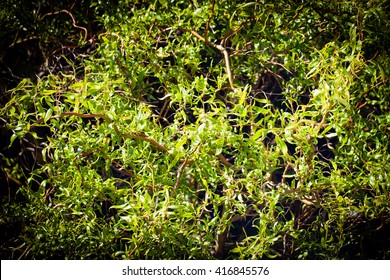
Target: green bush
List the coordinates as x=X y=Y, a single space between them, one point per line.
x=208 y=130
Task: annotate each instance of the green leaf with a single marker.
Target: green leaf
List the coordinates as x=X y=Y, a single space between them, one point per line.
x=12 y=139
x=281 y=145
x=48 y=114
x=47 y=92
x=259 y=133
x=180 y=143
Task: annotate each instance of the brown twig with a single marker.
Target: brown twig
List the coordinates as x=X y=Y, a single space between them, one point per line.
x=358 y=105
x=230 y=33
x=134 y=135
x=222 y=49
x=73 y=21
x=226 y=163
x=127 y=172
x=184 y=164
x=140 y=136
x=209 y=20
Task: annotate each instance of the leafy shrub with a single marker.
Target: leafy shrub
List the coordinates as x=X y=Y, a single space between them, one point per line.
x=209 y=130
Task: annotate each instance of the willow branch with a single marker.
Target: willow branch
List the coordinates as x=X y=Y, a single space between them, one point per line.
x=181 y=169
x=209 y=20
x=73 y=21
x=140 y=136
x=222 y=49
x=135 y=135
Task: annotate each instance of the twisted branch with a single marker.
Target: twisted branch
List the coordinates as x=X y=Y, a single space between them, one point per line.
x=222 y=49
x=73 y=21
x=135 y=135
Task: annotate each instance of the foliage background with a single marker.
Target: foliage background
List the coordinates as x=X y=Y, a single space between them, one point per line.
x=125 y=135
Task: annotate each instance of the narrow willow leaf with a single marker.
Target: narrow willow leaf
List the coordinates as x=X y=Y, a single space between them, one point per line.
x=12 y=139
x=48 y=92
x=48 y=114
x=181 y=143
x=282 y=145
x=258 y=134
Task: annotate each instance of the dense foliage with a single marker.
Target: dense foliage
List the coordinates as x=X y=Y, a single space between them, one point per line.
x=197 y=129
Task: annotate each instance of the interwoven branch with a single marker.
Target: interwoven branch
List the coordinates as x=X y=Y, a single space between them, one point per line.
x=135 y=135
